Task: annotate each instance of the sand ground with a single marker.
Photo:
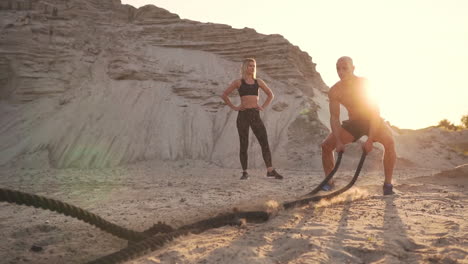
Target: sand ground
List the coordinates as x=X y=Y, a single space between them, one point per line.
x=425 y=222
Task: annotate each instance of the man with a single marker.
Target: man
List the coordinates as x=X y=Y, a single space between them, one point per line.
x=364 y=119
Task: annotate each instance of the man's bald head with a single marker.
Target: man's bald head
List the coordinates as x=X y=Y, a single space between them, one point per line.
x=345 y=67
x=345 y=59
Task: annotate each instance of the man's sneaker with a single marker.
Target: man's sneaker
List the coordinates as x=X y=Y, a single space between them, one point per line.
x=274 y=174
x=328 y=187
x=245 y=175
x=388 y=189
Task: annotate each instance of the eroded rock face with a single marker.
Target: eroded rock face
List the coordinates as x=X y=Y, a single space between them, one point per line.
x=97 y=83
x=93 y=83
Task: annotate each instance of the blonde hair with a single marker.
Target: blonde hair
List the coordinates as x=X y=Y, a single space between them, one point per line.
x=245 y=64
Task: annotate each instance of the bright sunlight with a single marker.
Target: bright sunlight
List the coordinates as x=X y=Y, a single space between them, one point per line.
x=414 y=52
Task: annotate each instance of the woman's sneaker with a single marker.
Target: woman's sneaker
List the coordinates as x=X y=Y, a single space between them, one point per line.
x=274 y=174
x=388 y=189
x=245 y=176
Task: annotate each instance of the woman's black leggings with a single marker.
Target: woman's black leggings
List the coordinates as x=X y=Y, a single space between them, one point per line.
x=251 y=118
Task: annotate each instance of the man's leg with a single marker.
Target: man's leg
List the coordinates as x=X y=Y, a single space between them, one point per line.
x=385 y=137
x=389 y=163
x=328 y=147
x=328 y=159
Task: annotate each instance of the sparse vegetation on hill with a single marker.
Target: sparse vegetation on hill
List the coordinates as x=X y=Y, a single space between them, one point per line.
x=450 y=126
x=464 y=120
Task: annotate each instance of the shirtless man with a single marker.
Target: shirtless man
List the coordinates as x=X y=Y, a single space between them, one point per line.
x=364 y=119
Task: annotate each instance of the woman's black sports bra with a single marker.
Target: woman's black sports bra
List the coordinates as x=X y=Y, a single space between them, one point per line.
x=248 y=89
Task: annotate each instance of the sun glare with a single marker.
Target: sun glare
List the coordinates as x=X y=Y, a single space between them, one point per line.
x=402 y=92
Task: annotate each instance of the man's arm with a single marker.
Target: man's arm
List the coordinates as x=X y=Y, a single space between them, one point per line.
x=335 y=125
x=267 y=91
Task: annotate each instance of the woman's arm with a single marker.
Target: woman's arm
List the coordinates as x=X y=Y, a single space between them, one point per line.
x=267 y=91
x=234 y=85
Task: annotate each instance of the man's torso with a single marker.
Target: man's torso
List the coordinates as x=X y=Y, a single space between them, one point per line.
x=353 y=95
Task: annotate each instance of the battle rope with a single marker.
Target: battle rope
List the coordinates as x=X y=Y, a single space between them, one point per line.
x=305 y=201
x=160 y=233
x=152 y=238
x=329 y=176
x=140 y=248
x=155 y=242
x=37 y=201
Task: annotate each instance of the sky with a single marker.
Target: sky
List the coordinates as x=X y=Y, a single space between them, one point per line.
x=414 y=52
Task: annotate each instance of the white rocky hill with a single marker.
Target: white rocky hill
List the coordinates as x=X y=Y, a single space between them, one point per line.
x=94 y=83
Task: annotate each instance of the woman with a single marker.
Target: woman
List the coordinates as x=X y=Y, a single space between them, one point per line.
x=249 y=115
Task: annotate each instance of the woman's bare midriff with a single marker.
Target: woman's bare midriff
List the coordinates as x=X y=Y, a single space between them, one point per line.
x=249 y=101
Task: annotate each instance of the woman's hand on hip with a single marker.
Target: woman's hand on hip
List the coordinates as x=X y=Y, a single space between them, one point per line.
x=239 y=108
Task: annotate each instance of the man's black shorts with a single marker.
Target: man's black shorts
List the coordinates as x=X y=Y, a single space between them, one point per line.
x=357 y=128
